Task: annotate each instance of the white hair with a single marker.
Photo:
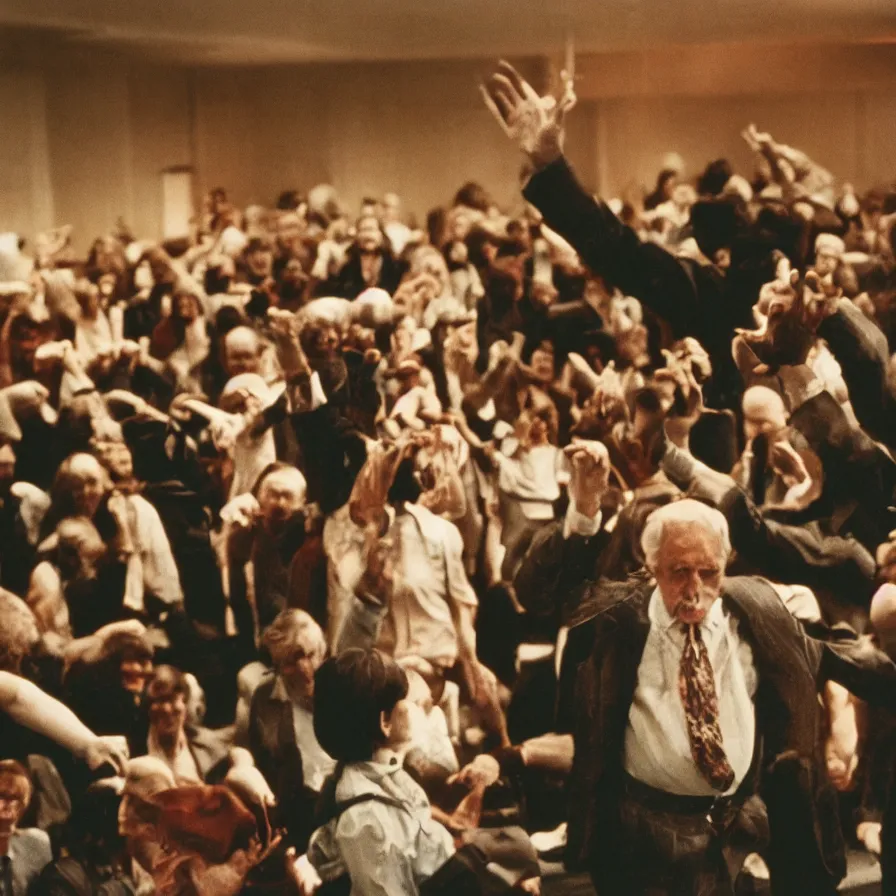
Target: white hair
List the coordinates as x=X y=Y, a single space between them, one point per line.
x=687 y=511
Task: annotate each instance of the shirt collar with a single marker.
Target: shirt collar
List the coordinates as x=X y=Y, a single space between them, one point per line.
x=278 y=692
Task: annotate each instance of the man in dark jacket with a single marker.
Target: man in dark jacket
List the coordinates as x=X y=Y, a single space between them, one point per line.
x=697 y=723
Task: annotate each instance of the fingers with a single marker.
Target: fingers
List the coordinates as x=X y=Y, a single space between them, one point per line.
x=505 y=96
x=493 y=107
x=506 y=71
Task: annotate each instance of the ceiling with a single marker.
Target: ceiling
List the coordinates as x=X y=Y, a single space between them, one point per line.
x=258 y=32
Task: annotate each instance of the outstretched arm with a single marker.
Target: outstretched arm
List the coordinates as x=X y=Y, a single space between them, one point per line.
x=28 y=705
x=662 y=282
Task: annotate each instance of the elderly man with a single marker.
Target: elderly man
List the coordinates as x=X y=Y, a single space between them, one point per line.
x=696 y=696
x=268 y=528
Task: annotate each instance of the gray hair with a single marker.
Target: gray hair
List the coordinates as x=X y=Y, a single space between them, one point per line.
x=687 y=511
x=294 y=629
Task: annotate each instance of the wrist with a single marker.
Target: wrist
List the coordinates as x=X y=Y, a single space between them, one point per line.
x=589 y=506
x=511 y=760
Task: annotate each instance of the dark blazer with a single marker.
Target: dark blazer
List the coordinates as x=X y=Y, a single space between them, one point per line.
x=350 y=282
x=806 y=853
x=272 y=742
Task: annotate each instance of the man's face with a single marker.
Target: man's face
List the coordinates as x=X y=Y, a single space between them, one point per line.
x=241 y=354
x=12 y=803
x=117 y=458
x=543 y=365
x=168 y=714
x=260 y=262
x=825 y=263
x=369 y=237
x=297 y=667
x=90 y=485
x=7 y=466
x=293 y=273
x=135 y=673
x=289 y=230
x=281 y=497
x=688 y=571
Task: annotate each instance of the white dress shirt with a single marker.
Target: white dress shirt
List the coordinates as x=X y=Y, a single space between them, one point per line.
x=432 y=585
x=657 y=744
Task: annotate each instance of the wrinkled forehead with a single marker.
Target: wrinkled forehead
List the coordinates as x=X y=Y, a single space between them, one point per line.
x=290 y=480
x=688 y=539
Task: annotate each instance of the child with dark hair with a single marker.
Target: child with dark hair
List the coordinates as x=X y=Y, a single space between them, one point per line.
x=381 y=832
x=377 y=826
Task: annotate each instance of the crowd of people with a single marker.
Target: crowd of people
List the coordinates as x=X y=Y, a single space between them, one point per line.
x=341 y=555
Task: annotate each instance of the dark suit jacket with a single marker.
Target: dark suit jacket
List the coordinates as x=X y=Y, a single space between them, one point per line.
x=272 y=742
x=807 y=851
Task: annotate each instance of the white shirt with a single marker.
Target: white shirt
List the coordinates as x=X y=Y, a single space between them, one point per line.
x=317 y=764
x=657 y=744
x=432 y=581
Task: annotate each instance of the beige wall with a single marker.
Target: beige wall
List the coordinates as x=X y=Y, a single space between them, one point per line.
x=85 y=142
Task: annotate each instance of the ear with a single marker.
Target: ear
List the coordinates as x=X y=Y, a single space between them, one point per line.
x=385 y=725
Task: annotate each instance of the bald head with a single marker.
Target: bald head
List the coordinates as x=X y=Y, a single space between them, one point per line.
x=242 y=351
x=764 y=412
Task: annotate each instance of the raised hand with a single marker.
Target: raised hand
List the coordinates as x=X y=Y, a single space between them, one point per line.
x=286 y=328
x=793 y=310
x=590 y=464
x=535 y=122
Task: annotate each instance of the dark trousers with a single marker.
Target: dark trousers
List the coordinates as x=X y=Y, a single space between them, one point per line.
x=663 y=854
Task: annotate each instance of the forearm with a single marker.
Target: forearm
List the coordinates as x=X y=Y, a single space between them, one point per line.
x=552 y=752
x=361 y=627
x=28 y=705
x=464 y=623
x=862 y=353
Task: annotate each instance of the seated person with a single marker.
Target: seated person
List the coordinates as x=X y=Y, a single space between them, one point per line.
x=281 y=734
x=96 y=861
x=194 y=754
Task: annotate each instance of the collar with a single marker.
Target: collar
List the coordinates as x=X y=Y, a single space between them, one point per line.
x=659 y=615
x=278 y=691
x=386 y=761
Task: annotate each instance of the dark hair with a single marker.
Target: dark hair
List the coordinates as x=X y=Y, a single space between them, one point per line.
x=167 y=683
x=289 y=200
x=714 y=177
x=473 y=195
x=404 y=488
x=127 y=646
x=92 y=833
x=350 y=693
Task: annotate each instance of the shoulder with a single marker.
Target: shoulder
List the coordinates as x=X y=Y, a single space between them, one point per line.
x=607 y=603
x=261 y=696
x=33 y=846
x=753 y=594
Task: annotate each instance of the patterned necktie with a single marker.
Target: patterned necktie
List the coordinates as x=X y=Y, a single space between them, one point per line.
x=697 y=686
